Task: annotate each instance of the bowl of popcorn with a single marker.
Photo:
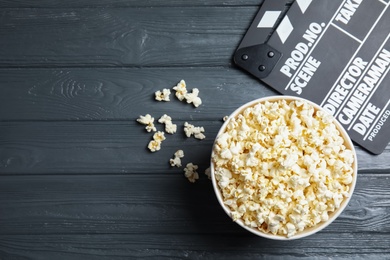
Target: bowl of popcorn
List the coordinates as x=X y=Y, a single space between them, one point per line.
x=283 y=168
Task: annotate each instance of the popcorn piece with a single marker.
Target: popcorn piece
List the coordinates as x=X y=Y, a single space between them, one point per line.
x=190 y=172
x=148 y=121
x=291 y=230
x=170 y=128
x=176 y=161
x=197 y=132
x=162 y=95
x=193 y=97
x=181 y=90
x=182 y=93
x=159 y=136
x=282 y=167
x=208 y=173
x=155 y=144
x=225 y=118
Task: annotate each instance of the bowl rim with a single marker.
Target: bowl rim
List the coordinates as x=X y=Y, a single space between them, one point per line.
x=309 y=231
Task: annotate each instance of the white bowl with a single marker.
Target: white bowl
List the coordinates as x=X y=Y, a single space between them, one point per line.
x=308 y=231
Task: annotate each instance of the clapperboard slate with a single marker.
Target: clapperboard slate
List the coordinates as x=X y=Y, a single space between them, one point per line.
x=335 y=53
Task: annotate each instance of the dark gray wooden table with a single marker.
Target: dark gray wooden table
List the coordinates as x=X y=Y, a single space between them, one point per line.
x=76 y=179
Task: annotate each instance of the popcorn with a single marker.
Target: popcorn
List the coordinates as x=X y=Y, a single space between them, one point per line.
x=208 y=173
x=148 y=121
x=193 y=97
x=162 y=95
x=181 y=90
x=155 y=144
x=190 y=172
x=159 y=136
x=282 y=167
x=197 y=132
x=176 y=161
x=182 y=94
x=170 y=128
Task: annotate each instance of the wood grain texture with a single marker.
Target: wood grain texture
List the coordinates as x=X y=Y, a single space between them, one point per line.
x=108 y=95
x=166 y=216
x=113 y=147
x=158 y=36
x=216 y=246
x=96 y=147
x=121 y=93
x=121 y=3
x=156 y=204
x=76 y=179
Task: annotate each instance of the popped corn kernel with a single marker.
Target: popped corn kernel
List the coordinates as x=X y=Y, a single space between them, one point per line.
x=176 y=161
x=282 y=166
x=162 y=95
x=193 y=97
x=190 y=172
x=181 y=90
x=207 y=172
x=155 y=144
x=148 y=121
x=170 y=128
x=197 y=132
x=159 y=136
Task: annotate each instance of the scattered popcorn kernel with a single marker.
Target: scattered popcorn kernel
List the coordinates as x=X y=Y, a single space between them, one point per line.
x=162 y=95
x=148 y=121
x=225 y=118
x=155 y=144
x=170 y=128
x=181 y=90
x=193 y=97
x=176 y=161
x=208 y=173
x=197 y=132
x=145 y=119
x=159 y=136
x=190 y=172
x=282 y=167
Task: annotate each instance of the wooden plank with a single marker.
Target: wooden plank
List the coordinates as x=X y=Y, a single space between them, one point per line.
x=121 y=93
x=96 y=147
x=154 y=204
x=200 y=246
x=160 y=36
x=113 y=147
x=144 y=216
x=121 y=3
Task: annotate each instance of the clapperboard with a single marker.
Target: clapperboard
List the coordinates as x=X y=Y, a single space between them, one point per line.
x=335 y=53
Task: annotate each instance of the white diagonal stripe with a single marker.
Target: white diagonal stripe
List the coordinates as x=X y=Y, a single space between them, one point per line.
x=303 y=4
x=284 y=29
x=269 y=19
